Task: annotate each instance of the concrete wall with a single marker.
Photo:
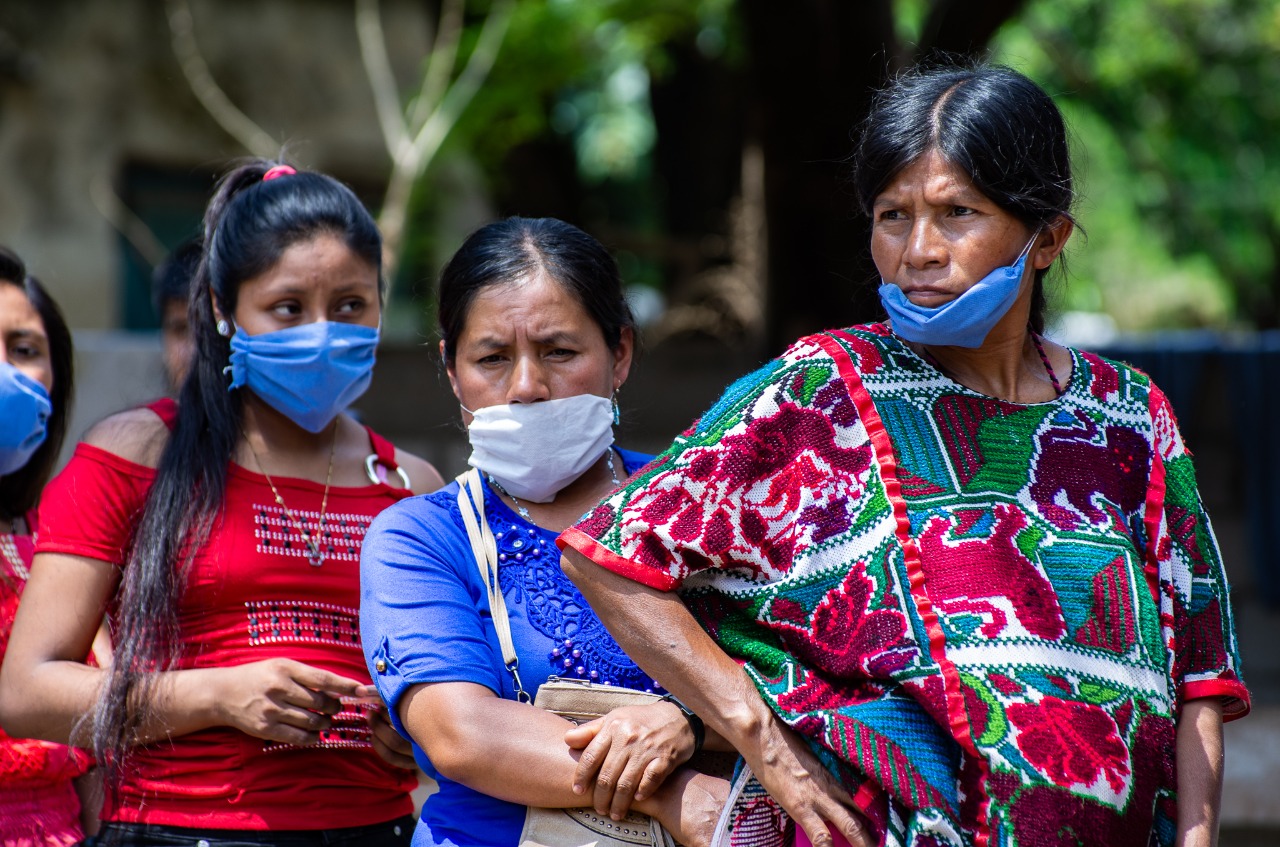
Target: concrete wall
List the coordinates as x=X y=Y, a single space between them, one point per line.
x=88 y=87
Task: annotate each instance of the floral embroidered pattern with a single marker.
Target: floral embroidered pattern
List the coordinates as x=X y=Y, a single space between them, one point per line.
x=1071 y=743
x=962 y=603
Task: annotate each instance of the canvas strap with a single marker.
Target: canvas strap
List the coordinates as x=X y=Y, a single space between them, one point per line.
x=485 y=550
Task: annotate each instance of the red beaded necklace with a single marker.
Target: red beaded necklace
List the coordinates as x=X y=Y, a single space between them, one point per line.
x=1044 y=357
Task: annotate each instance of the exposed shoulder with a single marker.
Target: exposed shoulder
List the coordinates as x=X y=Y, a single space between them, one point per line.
x=137 y=435
x=423 y=476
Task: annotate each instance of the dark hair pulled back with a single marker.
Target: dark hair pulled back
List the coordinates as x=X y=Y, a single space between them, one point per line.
x=991 y=122
x=516 y=249
x=248 y=225
x=20 y=490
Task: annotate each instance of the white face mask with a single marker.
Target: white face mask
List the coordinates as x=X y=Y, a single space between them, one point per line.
x=535 y=449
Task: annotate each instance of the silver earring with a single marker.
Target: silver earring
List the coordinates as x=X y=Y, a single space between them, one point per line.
x=224 y=328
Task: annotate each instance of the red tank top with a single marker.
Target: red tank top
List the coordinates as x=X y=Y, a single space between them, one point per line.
x=251 y=594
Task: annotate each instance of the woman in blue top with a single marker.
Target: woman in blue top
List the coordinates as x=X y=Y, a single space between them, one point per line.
x=536 y=339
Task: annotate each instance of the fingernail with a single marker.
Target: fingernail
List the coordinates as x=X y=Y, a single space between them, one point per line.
x=578 y=789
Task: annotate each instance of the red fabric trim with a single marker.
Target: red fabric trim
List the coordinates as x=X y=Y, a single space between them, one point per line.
x=868 y=794
x=609 y=560
x=882 y=445
x=383 y=449
x=166 y=409
x=1235 y=697
x=1152 y=518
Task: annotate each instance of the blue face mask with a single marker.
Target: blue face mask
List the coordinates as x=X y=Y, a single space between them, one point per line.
x=308 y=373
x=966 y=320
x=24 y=418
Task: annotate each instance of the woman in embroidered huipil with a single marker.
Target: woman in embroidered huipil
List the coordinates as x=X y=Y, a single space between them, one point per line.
x=536 y=340
x=966 y=570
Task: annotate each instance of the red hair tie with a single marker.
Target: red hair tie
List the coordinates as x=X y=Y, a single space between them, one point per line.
x=278 y=170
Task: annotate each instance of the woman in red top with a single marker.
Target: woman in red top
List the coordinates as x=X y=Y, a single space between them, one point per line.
x=38 y=802
x=223 y=536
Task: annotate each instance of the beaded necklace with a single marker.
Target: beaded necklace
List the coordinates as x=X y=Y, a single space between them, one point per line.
x=314 y=554
x=520 y=507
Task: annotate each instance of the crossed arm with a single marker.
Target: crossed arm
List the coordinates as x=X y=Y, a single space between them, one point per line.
x=657 y=631
x=629 y=759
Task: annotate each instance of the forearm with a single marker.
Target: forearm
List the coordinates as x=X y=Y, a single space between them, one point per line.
x=658 y=633
x=508 y=750
x=1200 y=764
x=55 y=701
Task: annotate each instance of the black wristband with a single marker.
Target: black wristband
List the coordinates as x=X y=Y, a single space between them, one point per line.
x=695 y=722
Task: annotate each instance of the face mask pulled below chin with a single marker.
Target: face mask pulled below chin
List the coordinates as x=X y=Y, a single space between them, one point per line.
x=309 y=373
x=965 y=321
x=24 y=418
x=534 y=450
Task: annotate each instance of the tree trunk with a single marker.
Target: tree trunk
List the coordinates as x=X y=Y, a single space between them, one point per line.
x=812 y=69
x=814 y=64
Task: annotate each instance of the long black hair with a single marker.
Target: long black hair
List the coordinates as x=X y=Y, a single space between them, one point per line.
x=517 y=248
x=992 y=123
x=20 y=490
x=249 y=223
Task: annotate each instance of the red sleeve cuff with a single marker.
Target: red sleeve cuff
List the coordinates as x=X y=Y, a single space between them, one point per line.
x=609 y=560
x=1234 y=696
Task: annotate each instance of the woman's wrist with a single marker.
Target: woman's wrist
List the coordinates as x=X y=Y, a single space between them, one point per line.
x=202 y=695
x=688 y=805
x=742 y=721
x=696 y=728
x=663 y=804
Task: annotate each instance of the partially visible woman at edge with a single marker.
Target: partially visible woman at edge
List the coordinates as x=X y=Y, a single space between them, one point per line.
x=39 y=805
x=223 y=535
x=965 y=568
x=537 y=340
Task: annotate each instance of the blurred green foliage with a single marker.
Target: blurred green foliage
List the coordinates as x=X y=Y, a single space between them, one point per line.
x=574 y=72
x=581 y=68
x=1175 y=107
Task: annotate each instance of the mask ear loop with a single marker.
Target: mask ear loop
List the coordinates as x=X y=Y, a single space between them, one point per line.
x=1026 y=250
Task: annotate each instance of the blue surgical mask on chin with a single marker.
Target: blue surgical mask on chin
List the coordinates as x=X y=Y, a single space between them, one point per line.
x=309 y=373
x=24 y=418
x=964 y=321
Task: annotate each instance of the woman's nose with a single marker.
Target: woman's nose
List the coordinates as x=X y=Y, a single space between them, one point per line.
x=528 y=382
x=925 y=245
